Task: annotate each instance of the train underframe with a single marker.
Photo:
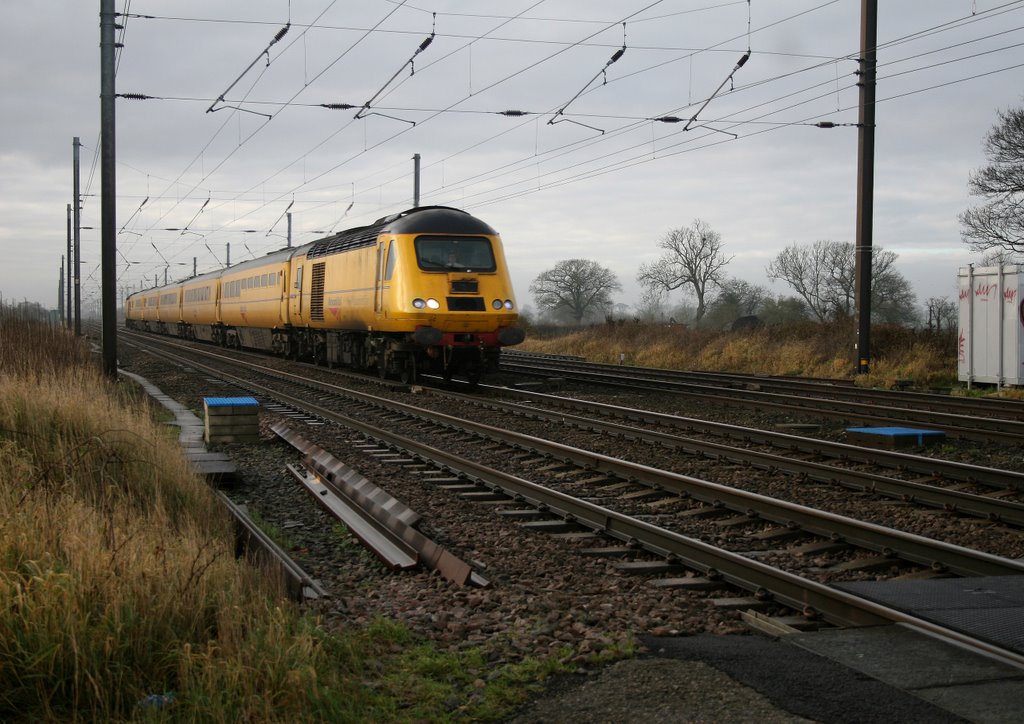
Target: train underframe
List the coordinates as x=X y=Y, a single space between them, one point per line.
x=404 y=356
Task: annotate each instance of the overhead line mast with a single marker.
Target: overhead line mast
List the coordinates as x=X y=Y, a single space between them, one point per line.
x=865 y=181
x=108 y=188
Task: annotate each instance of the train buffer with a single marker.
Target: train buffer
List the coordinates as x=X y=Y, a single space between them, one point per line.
x=893 y=438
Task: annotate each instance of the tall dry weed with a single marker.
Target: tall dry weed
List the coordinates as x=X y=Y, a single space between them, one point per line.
x=117 y=567
x=806 y=349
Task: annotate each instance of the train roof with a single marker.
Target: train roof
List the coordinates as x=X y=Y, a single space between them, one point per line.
x=421 y=220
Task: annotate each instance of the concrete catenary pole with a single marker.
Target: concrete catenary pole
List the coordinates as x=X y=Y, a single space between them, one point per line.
x=865 y=180
x=108 y=191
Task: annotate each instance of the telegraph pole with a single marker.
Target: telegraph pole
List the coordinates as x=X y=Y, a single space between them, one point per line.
x=77 y=211
x=865 y=180
x=108 y=246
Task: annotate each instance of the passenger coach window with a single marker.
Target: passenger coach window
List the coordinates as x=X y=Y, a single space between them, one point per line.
x=462 y=253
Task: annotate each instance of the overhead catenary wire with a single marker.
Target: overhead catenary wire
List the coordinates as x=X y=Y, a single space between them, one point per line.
x=411 y=64
x=493 y=84
x=265 y=52
x=560 y=113
x=311 y=186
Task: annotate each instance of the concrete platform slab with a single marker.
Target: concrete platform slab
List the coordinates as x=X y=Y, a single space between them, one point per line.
x=990 y=608
x=216 y=467
x=961 y=682
x=903 y=657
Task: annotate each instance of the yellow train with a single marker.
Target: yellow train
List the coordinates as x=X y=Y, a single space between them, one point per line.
x=426 y=290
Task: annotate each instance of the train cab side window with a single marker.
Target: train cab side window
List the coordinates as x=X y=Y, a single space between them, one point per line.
x=389 y=265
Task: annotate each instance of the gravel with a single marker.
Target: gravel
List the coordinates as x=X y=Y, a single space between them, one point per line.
x=545 y=597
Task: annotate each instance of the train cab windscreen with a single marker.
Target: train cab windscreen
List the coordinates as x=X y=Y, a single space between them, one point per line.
x=454 y=253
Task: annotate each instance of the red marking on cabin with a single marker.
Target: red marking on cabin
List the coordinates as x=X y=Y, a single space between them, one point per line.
x=984 y=290
x=335 y=311
x=962 y=347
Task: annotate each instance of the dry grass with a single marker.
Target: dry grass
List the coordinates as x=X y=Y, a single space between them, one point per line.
x=117 y=564
x=802 y=349
x=119 y=581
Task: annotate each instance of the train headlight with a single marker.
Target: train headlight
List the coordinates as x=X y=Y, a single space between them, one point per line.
x=509 y=304
x=433 y=303
x=496 y=304
x=418 y=303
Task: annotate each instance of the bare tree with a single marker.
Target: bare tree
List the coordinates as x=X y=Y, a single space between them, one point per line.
x=812 y=273
x=651 y=306
x=824 y=277
x=577 y=286
x=1000 y=257
x=942 y=314
x=693 y=258
x=736 y=299
x=999 y=222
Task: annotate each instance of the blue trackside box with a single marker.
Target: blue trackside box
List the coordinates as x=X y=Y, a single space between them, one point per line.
x=230 y=402
x=231 y=419
x=894 y=437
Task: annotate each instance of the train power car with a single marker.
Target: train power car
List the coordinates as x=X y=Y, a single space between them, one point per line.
x=426 y=290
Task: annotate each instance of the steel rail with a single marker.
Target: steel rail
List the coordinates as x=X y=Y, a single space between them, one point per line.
x=832 y=388
x=950 y=500
x=931 y=467
x=980 y=429
x=727 y=378
x=256 y=544
x=834 y=606
x=911 y=547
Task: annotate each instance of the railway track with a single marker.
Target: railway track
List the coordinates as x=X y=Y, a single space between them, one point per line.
x=837 y=470
x=633 y=485
x=967 y=418
x=794 y=447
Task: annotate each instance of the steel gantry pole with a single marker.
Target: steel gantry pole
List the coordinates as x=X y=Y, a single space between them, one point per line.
x=77 y=225
x=865 y=180
x=67 y=305
x=108 y=246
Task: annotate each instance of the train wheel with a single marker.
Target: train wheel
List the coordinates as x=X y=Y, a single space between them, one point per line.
x=473 y=371
x=408 y=373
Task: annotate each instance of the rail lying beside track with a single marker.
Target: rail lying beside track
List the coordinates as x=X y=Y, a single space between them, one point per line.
x=384 y=524
x=262 y=551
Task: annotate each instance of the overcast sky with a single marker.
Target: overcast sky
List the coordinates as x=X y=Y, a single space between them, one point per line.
x=602 y=181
